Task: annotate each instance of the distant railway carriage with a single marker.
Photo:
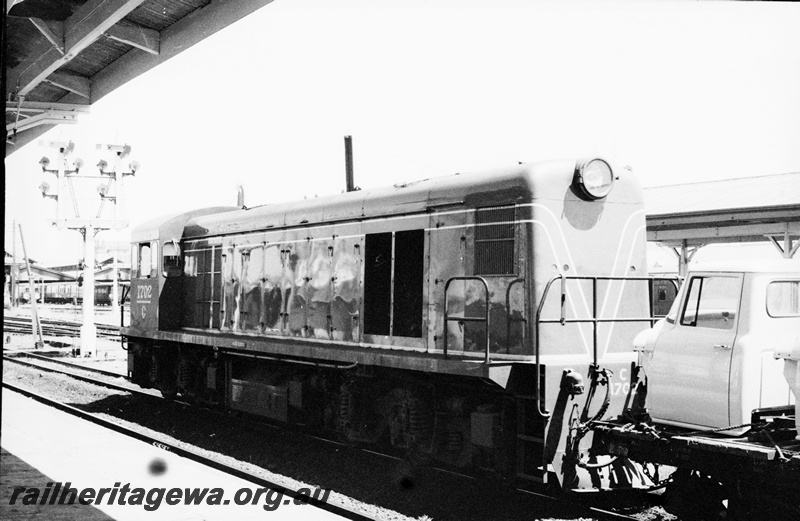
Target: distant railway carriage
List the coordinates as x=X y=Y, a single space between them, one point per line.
x=452 y=317
x=72 y=293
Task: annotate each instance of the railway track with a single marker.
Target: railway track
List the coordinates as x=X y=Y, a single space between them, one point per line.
x=52 y=360
x=53 y=327
x=82 y=378
x=597 y=513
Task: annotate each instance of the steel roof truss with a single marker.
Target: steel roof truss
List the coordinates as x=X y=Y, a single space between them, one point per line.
x=144 y=38
x=86 y=24
x=71 y=82
x=54 y=32
x=735 y=233
x=53 y=117
x=787 y=249
x=42 y=106
x=33 y=114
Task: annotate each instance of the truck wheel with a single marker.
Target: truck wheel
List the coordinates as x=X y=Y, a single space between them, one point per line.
x=694 y=496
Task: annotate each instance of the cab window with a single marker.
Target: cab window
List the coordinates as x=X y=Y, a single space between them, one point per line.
x=153 y=258
x=172 y=259
x=672 y=314
x=712 y=302
x=783 y=298
x=144 y=261
x=135 y=262
x=148 y=260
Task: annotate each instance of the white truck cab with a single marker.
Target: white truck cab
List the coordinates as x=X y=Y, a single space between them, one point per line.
x=712 y=360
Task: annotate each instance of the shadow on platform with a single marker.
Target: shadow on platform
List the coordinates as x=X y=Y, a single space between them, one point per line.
x=15 y=472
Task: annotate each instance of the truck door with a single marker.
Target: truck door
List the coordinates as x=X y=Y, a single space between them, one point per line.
x=690 y=368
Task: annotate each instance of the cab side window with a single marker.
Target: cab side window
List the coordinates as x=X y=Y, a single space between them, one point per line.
x=144 y=261
x=148 y=260
x=172 y=259
x=712 y=302
x=783 y=298
x=135 y=261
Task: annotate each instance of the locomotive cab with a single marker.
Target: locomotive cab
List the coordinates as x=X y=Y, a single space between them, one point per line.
x=156 y=271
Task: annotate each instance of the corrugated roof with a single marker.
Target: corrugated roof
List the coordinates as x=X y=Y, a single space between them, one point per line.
x=768 y=191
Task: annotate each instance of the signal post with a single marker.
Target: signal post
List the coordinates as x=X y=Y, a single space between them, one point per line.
x=90 y=226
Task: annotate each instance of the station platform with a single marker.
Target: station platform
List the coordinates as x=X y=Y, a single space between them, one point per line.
x=42 y=447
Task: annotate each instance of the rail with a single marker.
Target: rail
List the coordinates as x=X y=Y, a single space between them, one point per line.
x=53 y=327
x=593 y=320
x=52 y=360
x=461 y=319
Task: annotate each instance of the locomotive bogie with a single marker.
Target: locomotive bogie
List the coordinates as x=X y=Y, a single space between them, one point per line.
x=458 y=422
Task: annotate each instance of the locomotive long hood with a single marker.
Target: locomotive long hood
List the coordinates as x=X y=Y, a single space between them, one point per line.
x=500 y=186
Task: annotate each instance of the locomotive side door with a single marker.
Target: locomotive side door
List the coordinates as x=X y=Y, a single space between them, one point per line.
x=689 y=372
x=171 y=298
x=447 y=249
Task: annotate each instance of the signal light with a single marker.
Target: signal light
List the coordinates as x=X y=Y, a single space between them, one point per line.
x=44 y=161
x=45 y=187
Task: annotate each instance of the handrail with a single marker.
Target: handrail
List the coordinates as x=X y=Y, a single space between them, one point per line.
x=448 y=318
x=594 y=320
x=508 y=315
x=126 y=289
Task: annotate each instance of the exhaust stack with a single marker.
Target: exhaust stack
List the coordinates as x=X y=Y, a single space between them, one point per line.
x=348 y=164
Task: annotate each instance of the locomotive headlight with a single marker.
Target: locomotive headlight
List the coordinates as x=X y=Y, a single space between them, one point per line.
x=594 y=178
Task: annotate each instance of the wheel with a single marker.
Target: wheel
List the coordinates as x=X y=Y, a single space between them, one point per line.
x=695 y=496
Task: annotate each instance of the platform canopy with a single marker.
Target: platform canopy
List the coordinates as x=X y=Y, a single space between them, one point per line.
x=63 y=55
x=763 y=208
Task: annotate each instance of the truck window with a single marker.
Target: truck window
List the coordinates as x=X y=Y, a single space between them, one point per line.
x=712 y=302
x=672 y=314
x=783 y=298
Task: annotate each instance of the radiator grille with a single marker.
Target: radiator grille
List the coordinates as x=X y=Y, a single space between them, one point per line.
x=494 y=241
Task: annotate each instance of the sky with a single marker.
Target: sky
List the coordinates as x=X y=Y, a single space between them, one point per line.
x=680 y=91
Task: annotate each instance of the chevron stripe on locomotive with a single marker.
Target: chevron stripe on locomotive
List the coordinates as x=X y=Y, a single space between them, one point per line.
x=455 y=317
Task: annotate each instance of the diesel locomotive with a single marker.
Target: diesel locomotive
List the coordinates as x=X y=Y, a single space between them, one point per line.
x=468 y=320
